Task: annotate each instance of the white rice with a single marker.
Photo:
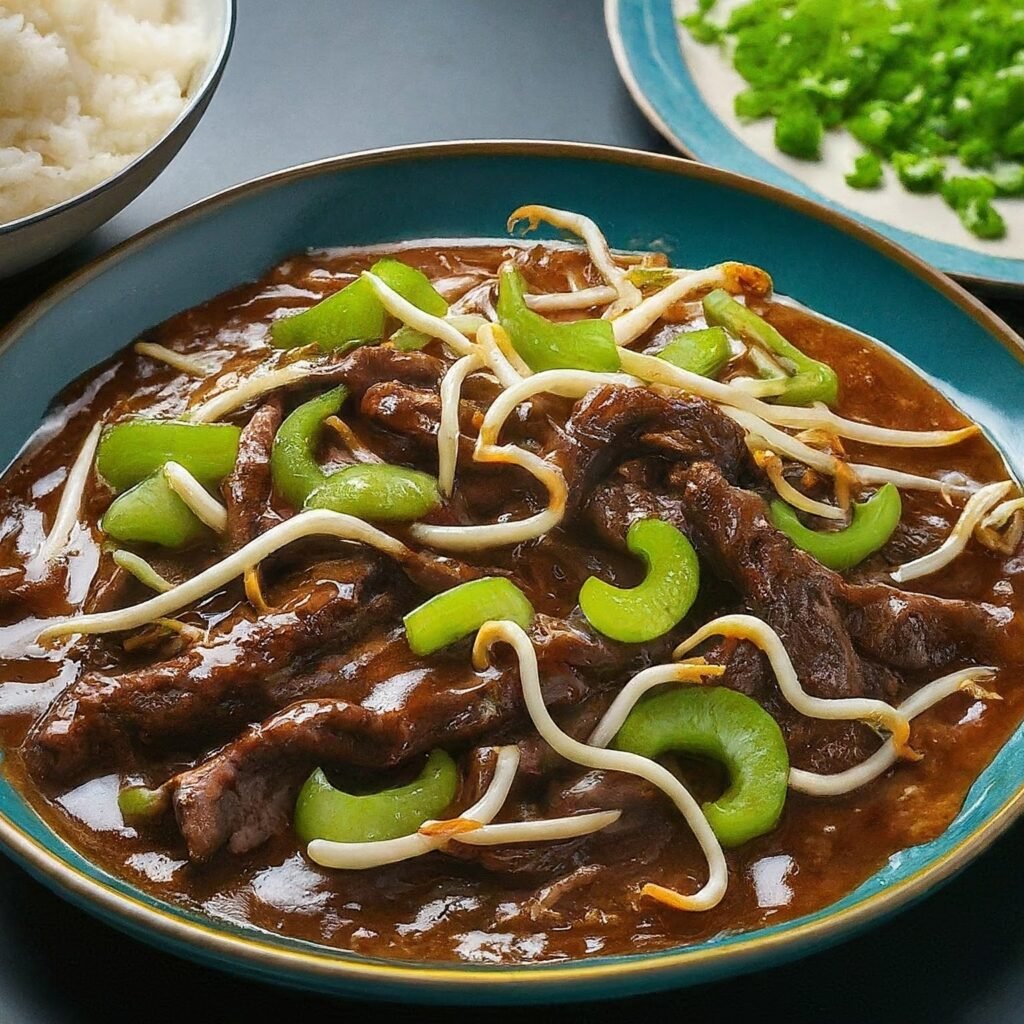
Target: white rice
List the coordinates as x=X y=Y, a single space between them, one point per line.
x=85 y=87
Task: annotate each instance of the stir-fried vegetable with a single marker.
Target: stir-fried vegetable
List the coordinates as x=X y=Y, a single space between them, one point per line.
x=579 y=345
x=151 y=513
x=812 y=381
x=462 y=610
x=653 y=607
x=871 y=526
x=130 y=451
x=354 y=314
x=705 y=352
x=727 y=727
x=293 y=463
x=324 y=812
x=914 y=81
x=140 y=803
x=378 y=492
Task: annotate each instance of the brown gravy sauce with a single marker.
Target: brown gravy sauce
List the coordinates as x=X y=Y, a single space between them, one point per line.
x=435 y=907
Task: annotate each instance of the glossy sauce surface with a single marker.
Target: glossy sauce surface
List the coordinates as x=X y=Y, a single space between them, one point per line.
x=438 y=907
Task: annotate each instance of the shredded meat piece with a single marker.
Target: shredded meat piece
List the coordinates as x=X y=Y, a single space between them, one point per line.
x=395 y=706
x=247 y=488
x=844 y=639
x=242 y=671
x=611 y=421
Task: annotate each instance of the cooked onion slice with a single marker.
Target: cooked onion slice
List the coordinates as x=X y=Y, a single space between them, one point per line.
x=711 y=893
x=177 y=360
x=978 y=506
x=492 y=535
x=660 y=371
x=311 y=523
x=648 y=679
x=207 y=509
x=729 y=276
x=886 y=756
x=414 y=317
x=582 y=298
x=355 y=856
x=772 y=466
x=66 y=517
x=448 y=428
x=546 y=830
x=496 y=357
x=141 y=570
x=245 y=391
x=627 y=295
x=566 y=383
x=876 y=713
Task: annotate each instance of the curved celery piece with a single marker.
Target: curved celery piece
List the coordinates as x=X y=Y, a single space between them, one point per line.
x=653 y=607
x=324 y=812
x=727 y=727
x=544 y=345
x=456 y=613
x=871 y=525
x=293 y=464
x=134 y=449
x=813 y=381
x=379 y=492
x=140 y=803
x=354 y=314
x=705 y=352
x=151 y=513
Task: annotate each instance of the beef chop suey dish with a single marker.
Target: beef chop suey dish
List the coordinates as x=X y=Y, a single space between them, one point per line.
x=505 y=602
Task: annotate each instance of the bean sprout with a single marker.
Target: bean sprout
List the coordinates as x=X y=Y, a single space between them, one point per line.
x=711 y=893
x=886 y=756
x=207 y=509
x=748 y=627
x=977 y=507
x=66 y=517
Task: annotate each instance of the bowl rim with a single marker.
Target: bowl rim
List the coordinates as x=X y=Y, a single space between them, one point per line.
x=662 y=968
x=214 y=70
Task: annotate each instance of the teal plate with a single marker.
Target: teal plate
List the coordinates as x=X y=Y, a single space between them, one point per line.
x=646 y=47
x=699 y=216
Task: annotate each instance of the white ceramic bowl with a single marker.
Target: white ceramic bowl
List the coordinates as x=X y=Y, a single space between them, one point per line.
x=29 y=240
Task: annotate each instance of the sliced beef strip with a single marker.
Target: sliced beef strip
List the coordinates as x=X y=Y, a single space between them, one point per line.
x=247 y=488
x=804 y=601
x=416 y=413
x=367 y=365
x=235 y=676
x=612 y=422
x=245 y=792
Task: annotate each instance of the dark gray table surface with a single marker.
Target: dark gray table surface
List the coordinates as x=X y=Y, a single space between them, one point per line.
x=314 y=78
